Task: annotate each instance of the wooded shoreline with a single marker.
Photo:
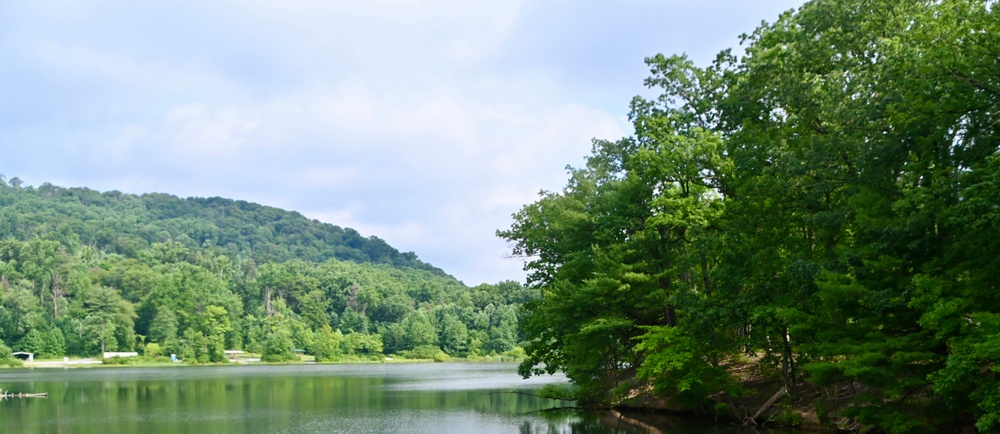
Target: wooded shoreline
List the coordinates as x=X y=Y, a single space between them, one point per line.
x=814 y=212
x=84 y=272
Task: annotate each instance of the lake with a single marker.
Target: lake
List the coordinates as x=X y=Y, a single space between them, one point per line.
x=301 y=398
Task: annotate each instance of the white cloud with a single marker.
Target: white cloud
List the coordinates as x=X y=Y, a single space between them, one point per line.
x=197 y=130
x=80 y=62
x=424 y=122
x=398 y=234
x=118 y=148
x=329 y=178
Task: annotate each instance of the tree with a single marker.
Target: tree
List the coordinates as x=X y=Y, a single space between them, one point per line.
x=454 y=337
x=106 y=313
x=33 y=342
x=352 y=321
x=20 y=312
x=163 y=328
x=626 y=240
x=7 y=357
x=54 y=344
x=419 y=330
x=503 y=330
x=363 y=344
x=314 y=309
x=328 y=344
x=278 y=346
x=213 y=324
x=48 y=265
x=824 y=204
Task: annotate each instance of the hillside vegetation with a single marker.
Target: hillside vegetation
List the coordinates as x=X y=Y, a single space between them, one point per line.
x=83 y=272
x=126 y=224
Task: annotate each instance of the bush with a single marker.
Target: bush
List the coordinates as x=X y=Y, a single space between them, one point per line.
x=278 y=347
x=422 y=352
x=441 y=356
x=120 y=360
x=12 y=362
x=152 y=350
x=515 y=354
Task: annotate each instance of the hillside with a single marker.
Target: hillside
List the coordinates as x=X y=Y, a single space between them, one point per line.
x=124 y=223
x=83 y=272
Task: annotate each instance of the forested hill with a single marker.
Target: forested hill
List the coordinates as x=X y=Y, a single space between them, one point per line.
x=126 y=224
x=83 y=272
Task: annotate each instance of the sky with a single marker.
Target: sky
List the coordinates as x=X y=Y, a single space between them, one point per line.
x=424 y=123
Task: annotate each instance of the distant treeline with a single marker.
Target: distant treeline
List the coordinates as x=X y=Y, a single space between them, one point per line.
x=820 y=214
x=83 y=272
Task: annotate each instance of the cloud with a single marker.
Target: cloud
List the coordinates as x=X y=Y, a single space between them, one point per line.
x=405 y=233
x=198 y=131
x=426 y=123
x=329 y=178
x=121 y=146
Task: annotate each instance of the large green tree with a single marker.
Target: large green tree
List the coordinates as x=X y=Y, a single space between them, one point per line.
x=822 y=206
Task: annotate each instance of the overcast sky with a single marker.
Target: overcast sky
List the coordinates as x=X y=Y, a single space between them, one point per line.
x=424 y=123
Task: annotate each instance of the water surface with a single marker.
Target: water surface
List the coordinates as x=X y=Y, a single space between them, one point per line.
x=377 y=398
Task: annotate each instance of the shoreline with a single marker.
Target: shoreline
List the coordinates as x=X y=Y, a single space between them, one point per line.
x=94 y=362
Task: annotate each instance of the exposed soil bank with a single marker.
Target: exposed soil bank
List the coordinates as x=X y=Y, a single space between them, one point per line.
x=771 y=404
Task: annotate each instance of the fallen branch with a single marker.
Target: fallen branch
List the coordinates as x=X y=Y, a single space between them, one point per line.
x=770 y=402
x=9 y=394
x=533 y=394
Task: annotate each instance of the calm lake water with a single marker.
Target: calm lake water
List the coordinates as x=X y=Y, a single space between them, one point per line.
x=390 y=398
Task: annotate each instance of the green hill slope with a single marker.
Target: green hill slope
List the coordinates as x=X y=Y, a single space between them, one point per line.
x=83 y=272
x=125 y=223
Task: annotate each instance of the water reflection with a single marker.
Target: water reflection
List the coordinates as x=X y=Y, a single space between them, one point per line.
x=419 y=398
x=574 y=421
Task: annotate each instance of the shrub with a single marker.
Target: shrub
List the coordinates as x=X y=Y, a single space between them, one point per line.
x=152 y=350
x=422 y=352
x=441 y=356
x=119 y=360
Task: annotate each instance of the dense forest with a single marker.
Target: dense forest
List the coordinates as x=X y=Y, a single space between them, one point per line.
x=820 y=211
x=83 y=272
x=123 y=223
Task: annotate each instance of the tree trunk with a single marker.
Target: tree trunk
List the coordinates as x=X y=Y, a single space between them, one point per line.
x=267 y=301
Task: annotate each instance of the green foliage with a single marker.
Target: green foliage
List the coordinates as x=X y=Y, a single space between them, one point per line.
x=441 y=356
x=681 y=366
x=363 y=344
x=163 y=328
x=53 y=345
x=278 y=347
x=76 y=280
x=515 y=354
x=116 y=360
x=152 y=350
x=424 y=352
x=352 y=321
x=33 y=341
x=454 y=335
x=419 y=332
x=825 y=204
x=566 y=392
x=129 y=225
x=328 y=345
x=6 y=356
